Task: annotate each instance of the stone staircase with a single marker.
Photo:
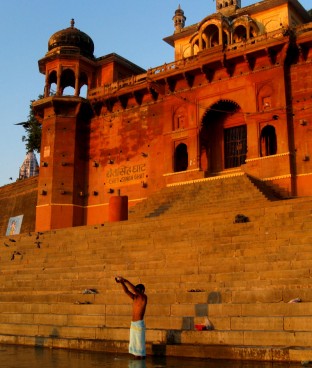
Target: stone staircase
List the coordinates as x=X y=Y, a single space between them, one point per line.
x=209 y=194
x=58 y=289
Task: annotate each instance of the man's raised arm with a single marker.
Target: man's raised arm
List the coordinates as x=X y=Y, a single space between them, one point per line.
x=126 y=285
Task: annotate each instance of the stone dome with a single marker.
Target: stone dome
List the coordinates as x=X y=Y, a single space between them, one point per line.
x=72 y=37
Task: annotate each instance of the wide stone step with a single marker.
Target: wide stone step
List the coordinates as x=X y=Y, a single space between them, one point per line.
x=204 y=338
x=228 y=352
x=247 y=338
x=207 y=278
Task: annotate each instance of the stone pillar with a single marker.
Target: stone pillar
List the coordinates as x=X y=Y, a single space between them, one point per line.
x=220 y=36
x=47 y=86
x=248 y=32
x=200 y=44
x=77 y=82
x=58 y=83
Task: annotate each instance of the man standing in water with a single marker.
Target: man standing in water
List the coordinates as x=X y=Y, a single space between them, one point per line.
x=137 y=330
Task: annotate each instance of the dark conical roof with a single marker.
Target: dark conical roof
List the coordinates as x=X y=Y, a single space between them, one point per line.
x=72 y=37
x=179 y=11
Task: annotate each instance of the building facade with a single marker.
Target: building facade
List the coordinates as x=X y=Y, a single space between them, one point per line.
x=237 y=98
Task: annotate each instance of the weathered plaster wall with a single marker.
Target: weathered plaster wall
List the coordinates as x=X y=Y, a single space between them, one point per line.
x=19 y=198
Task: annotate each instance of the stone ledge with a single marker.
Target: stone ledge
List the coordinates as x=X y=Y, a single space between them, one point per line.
x=251 y=353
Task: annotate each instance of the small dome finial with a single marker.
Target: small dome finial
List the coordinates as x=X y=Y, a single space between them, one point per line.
x=72 y=23
x=179 y=19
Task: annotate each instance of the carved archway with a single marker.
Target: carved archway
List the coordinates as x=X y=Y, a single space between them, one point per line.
x=211 y=36
x=240 y=34
x=223 y=137
x=67 y=80
x=51 y=84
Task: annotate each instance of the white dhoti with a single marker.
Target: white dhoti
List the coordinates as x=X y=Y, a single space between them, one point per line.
x=137 y=338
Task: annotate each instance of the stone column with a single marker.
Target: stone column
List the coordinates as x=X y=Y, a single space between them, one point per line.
x=77 y=81
x=58 y=83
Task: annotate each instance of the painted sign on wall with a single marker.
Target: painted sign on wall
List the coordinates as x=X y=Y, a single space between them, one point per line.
x=14 y=225
x=126 y=174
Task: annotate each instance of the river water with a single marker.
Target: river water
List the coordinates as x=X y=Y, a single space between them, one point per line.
x=29 y=357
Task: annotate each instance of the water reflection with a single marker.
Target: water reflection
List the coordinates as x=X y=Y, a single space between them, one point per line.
x=137 y=364
x=25 y=357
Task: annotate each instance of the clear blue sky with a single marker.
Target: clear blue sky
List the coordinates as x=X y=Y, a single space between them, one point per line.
x=132 y=29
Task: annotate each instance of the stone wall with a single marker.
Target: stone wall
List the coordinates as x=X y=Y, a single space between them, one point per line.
x=19 y=198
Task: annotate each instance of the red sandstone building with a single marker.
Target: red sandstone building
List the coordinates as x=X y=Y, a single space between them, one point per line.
x=237 y=98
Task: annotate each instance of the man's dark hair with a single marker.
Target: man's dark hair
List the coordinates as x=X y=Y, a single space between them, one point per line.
x=140 y=287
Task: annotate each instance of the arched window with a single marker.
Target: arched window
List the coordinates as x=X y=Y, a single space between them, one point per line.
x=240 y=34
x=68 y=91
x=83 y=91
x=68 y=80
x=181 y=158
x=83 y=85
x=211 y=36
x=268 y=141
x=52 y=81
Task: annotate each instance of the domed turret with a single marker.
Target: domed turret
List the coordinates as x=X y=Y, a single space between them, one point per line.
x=72 y=38
x=179 y=20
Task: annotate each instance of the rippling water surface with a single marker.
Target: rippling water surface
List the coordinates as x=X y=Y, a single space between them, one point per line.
x=28 y=357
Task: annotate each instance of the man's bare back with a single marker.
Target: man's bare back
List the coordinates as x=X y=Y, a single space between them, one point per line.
x=138 y=307
x=136 y=293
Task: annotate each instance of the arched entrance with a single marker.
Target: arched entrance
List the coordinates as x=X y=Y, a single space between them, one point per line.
x=223 y=137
